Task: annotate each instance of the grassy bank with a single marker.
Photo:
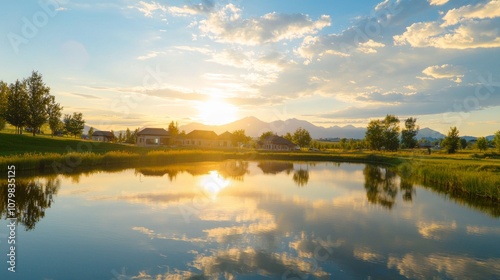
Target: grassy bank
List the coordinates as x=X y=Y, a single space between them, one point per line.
x=455 y=174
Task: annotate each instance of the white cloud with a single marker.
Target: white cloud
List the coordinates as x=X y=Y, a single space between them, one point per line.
x=479 y=11
x=438 y=2
x=149 y=55
x=227 y=25
x=471 y=34
x=370 y=46
x=445 y=71
x=149 y=8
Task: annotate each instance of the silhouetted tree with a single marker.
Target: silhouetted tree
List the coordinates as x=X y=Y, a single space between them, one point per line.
x=409 y=133
x=38 y=101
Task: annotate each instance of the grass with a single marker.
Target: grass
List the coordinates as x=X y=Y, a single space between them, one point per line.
x=463 y=173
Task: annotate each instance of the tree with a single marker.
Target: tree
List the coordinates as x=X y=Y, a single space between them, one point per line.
x=409 y=133
x=74 y=124
x=265 y=135
x=128 y=136
x=288 y=136
x=120 y=137
x=239 y=137
x=302 y=137
x=375 y=135
x=343 y=143
x=91 y=132
x=391 y=133
x=38 y=99
x=496 y=140
x=17 y=103
x=463 y=143
x=4 y=93
x=451 y=142
x=482 y=144
x=173 y=129
x=54 y=115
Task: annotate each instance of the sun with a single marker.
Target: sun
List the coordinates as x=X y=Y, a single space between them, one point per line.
x=216 y=111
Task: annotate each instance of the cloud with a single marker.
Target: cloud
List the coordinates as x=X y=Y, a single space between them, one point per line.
x=148 y=8
x=480 y=11
x=466 y=27
x=227 y=25
x=438 y=2
x=149 y=55
x=370 y=46
x=445 y=71
x=205 y=7
x=88 y=96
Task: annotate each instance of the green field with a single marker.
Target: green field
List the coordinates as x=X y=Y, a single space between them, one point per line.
x=465 y=173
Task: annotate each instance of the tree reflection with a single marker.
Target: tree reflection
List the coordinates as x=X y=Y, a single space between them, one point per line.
x=380 y=184
x=406 y=187
x=301 y=177
x=32 y=198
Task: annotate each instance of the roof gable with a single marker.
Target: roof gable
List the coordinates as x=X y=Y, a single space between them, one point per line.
x=153 y=131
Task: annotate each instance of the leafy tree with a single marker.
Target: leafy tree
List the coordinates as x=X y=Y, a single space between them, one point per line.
x=120 y=137
x=342 y=143
x=74 y=124
x=482 y=144
x=38 y=99
x=54 y=115
x=91 y=132
x=173 y=129
x=17 y=103
x=265 y=135
x=352 y=144
x=239 y=136
x=288 y=136
x=409 y=133
x=463 y=143
x=302 y=137
x=496 y=140
x=451 y=142
x=128 y=136
x=391 y=133
x=375 y=135
x=4 y=93
x=113 y=135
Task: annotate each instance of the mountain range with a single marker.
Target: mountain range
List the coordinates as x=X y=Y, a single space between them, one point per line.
x=254 y=127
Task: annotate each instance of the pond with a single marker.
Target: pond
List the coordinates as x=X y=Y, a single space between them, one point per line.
x=246 y=220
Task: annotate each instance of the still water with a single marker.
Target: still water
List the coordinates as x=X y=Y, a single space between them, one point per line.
x=247 y=220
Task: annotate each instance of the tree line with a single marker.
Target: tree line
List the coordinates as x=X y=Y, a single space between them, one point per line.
x=27 y=104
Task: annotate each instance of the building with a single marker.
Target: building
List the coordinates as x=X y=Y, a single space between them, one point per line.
x=207 y=139
x=103 y=136
x=150 y=137
x=276 y=143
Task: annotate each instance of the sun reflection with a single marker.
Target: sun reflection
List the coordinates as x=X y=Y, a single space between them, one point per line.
x=213 y=183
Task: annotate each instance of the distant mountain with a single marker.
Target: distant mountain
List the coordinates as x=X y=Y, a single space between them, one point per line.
x=428 y=133
x=255 y=127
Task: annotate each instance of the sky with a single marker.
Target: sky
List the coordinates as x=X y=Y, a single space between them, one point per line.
x=133 y=64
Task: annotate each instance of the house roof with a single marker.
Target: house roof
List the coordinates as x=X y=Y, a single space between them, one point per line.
x=153 y=131
x=201 y=134
x=277 y=140
x=225 y=136
x=103 y=133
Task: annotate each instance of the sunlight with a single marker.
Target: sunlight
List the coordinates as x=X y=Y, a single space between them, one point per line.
x=216 y=111
x=213 y=183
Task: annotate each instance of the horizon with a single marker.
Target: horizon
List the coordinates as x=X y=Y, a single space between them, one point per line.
x=147 y=63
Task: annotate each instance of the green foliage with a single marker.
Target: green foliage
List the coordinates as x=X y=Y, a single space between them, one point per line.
x=38 y=100
x=173 y=129
x=288 y=136
x=74 y=124
x=91 y=132
x=496 y=140
x=17 y=104
x=463 y=143
x=452 y=141
x=482 y=144
x=54 y=115
x=302 y=137
x=239 y=136
x=391 y=133
x=375 y=135
x=4 y=91
x=409 y=133
x=265 y=135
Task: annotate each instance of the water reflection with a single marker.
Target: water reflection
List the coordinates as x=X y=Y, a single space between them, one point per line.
x=32 y=198
x=246 y=221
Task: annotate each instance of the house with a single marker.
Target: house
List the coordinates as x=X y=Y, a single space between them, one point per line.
x=103 y=136
x=207 y=139
x=148 y=137
x=276 y=143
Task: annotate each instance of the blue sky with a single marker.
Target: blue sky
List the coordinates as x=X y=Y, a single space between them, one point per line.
x=146 y=63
